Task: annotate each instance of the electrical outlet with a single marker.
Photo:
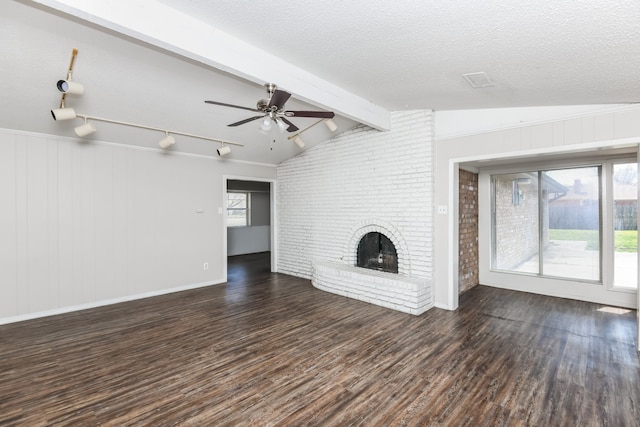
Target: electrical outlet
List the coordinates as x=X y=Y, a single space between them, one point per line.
x=205 y=266
x=442 y=210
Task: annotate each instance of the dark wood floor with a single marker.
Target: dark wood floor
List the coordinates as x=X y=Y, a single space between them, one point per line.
x=269 y=349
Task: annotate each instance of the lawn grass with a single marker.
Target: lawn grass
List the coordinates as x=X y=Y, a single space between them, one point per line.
x=625 y=240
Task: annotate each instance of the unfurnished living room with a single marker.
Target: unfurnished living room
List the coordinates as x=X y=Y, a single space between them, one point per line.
x=333 y=213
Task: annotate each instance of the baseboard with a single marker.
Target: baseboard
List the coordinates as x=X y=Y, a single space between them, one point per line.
x=69 y=309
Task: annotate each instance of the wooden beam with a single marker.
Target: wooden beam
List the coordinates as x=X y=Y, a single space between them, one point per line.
x=149 y=21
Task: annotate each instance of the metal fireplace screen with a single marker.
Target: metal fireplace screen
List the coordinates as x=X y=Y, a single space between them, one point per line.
x=377 y=252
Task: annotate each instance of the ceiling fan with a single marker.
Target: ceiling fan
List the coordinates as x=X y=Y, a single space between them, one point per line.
x=272 y=111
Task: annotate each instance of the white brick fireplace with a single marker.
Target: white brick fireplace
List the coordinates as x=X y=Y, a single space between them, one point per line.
x=362 y=181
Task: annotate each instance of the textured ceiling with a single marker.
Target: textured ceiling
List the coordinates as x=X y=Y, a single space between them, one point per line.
x=397 y=55
x=411 y=54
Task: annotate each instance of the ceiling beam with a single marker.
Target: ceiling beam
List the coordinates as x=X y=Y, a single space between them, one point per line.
x=170 y=29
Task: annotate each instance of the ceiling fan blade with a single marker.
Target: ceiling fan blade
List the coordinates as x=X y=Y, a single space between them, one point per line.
x=241 y=122
x=318 y=114
x=292 y=127
x=231 y=105
x=279 y=98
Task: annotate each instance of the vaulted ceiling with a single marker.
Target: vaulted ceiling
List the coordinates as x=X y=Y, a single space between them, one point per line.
x=155 y=62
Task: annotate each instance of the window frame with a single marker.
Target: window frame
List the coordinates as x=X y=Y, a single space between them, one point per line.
x=247 y=208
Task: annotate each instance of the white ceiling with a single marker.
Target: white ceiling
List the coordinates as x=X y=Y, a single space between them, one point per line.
x=145 y=63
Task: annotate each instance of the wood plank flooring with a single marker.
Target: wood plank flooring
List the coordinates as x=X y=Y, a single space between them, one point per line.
x=269 y=349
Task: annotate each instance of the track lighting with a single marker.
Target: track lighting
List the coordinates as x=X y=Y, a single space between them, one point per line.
x=167 y=141
x=85 y=129
x=299 y=142
x=69 y=87
x=63 y=113
x=331 y=125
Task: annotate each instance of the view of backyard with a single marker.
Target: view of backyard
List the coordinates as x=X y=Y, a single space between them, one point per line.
x=549 y=222
x=625 y=240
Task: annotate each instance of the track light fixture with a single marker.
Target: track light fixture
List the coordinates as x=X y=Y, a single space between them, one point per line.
x=223 y=151
x=300 y=143
x=85 y=129
x=69 y=87
x=63 y=113
x=167 y=141
x=331 y=125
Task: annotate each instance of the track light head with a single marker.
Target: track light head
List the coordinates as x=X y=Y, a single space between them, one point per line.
x=167 y=141
x=69 y=87
x=85 y=129
x=299 y=142
x=63 y=113
x=223 y=151
x=331 y=125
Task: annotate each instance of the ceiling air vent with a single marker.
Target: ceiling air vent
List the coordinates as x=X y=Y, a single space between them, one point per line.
x=478 y=80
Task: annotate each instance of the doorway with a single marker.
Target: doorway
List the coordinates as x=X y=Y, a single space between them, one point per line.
x=249 y=217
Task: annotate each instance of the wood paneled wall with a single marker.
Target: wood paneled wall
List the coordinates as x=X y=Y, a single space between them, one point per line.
x=83 y=223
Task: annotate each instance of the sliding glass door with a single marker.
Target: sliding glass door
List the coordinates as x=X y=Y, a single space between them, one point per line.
x=548 y=222
x=625 y=216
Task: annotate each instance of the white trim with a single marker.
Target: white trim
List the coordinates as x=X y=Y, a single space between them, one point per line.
x=453 y=233
x=604 y=110
x=69 y=309
x=444 y=306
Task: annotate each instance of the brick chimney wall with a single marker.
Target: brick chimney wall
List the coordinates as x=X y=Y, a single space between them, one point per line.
x=468 y=231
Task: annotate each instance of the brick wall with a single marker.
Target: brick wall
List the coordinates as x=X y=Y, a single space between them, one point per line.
x=468 y=231
x=517 y=230
x=328 y=193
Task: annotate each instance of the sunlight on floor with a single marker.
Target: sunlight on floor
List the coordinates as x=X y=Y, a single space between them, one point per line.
x=614 y=310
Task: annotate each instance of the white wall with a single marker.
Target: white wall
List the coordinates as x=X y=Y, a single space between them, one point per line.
x=588 y=133
x=248 y=240
x=84 y=224
x=362 y=176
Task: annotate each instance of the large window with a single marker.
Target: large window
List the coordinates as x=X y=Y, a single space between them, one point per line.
x=238 y=205
x=547 y=222
x=625 y=224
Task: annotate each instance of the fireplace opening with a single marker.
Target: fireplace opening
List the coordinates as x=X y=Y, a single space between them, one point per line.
x=377 y=252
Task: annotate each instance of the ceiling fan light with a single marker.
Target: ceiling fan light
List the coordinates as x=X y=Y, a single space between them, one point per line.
x=331 y=125
x=299 y=142
x=282 y=125
x=265 y=126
